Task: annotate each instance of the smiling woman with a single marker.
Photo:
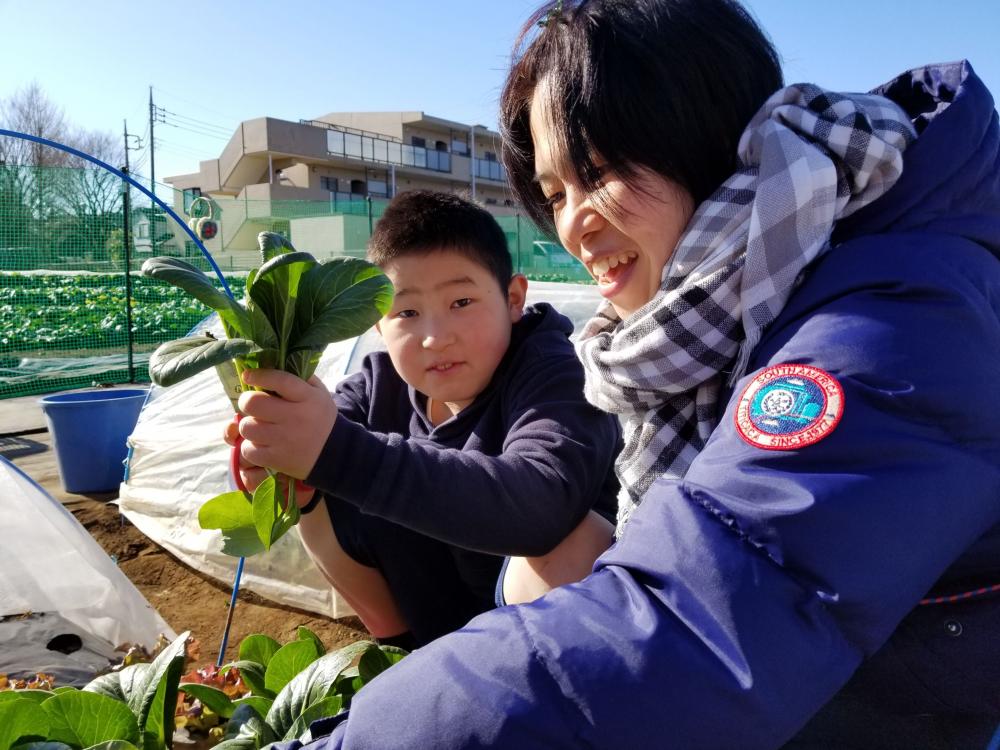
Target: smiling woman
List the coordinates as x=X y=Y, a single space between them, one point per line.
x=784 y=270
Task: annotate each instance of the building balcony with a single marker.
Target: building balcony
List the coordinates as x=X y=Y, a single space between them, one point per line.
x=385 y=151
x=488 y=169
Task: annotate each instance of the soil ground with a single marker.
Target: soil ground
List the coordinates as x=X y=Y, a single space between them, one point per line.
x=189 y=600
x=184 y=597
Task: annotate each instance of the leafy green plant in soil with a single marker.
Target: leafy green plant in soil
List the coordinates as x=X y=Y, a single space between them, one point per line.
x=283 y=689
x=294 y=307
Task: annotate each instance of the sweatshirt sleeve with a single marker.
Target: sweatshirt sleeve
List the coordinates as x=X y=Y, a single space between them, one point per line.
x=352 y=394
x=739 y=600
x=556 y=457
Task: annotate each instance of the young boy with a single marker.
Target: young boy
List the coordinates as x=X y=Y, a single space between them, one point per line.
x=468 y=440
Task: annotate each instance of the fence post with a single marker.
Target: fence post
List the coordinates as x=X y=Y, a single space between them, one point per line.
x=127 y=245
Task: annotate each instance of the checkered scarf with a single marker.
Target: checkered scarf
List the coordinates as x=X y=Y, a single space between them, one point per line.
x=808 y=158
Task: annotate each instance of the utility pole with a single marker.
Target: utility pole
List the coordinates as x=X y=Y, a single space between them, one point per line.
x=472 y=159
x=127 y=247
x=152 y=143
x=152 y=169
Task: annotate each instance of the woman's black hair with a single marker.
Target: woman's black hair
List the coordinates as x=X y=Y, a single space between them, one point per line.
x=665 y=85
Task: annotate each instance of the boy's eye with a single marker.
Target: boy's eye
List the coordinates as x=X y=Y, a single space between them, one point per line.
x=406 y=314
x=464 y=302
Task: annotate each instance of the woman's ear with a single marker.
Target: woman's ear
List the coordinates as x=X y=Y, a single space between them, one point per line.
x=517 y=290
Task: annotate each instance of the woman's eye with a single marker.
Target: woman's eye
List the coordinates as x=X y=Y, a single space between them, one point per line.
x=464 y=302
x=406 y=314
x=599 y=174
x=552 y=201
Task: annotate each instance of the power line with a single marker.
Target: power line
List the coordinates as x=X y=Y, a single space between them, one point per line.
x=182 y=149
x=187 y=146
x=199 y=105
x=204 y=133
x=196 y=122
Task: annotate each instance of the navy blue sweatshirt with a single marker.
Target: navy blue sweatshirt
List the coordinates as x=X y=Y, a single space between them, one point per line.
x=511 y=474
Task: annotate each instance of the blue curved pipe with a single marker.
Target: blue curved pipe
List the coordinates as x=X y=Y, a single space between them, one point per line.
x=128 y=179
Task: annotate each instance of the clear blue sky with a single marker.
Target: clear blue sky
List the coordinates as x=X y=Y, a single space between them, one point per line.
x=215 y=63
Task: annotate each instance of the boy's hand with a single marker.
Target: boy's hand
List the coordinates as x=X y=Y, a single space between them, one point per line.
x=284 y=429
x=252 y=475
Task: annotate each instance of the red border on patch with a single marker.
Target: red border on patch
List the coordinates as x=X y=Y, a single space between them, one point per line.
x=819 y=428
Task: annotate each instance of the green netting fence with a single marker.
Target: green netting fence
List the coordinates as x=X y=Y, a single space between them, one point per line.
x=75 y=311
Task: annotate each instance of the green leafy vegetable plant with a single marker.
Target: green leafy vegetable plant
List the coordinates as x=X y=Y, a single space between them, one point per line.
x=139 y=706
x=290 y=685
x=132 y=709
x=294 y=306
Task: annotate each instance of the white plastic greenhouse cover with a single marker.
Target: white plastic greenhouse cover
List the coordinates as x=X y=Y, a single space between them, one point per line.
x=51 y=564
x=179 y=461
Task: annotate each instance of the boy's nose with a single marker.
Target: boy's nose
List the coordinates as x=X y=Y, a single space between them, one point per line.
x=438 y=339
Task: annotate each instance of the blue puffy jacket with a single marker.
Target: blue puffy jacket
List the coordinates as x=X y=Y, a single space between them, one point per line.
x=741 y=599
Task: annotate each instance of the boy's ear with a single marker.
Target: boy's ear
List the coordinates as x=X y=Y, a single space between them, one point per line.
x=516 y=292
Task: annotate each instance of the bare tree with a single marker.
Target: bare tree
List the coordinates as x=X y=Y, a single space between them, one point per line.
x=30 y=111
x=54 y=202
x=94 y=190
x=92 y=196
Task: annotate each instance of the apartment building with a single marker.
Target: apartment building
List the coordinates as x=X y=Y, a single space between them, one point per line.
x=276 y=174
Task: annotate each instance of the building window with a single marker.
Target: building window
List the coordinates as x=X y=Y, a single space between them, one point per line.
x=378 y=188
x=335 y=142
x=440 y=146
x=416 y=140
x=490 y=169
x=328 y=183
x=189 y=195
x=352 y=145
x=459 y=147
x=489 y=156
x=358 y=187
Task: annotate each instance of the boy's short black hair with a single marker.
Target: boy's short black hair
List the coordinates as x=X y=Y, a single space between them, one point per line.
x=418 y=222
x=664 y=85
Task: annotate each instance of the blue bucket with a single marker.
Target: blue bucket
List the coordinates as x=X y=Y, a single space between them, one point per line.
x=90 y=429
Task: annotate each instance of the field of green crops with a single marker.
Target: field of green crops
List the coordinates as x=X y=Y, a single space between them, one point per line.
x=70 y=329
x=57 y=312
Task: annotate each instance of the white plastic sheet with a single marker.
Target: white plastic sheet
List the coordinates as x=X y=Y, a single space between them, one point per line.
x=51 y=564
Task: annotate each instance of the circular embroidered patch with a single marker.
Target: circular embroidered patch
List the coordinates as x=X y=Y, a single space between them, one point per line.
x=789 y=406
